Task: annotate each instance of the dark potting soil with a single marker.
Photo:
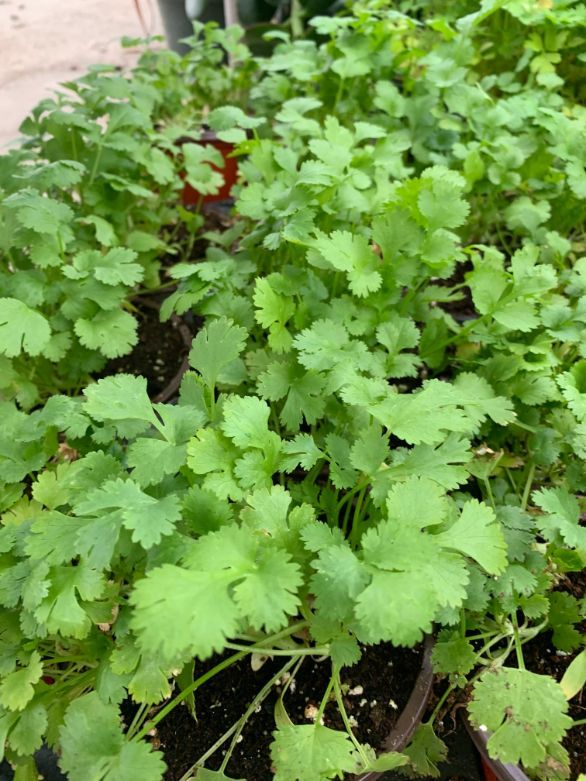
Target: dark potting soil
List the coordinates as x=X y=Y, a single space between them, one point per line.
x=541 y=656
x=159 y=354
x=378 y=688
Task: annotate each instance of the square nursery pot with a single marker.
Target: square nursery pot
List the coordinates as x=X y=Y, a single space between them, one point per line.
x=190 y=196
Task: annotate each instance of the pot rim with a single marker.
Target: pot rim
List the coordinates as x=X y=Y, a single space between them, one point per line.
x=502 y=772
x=412 y=713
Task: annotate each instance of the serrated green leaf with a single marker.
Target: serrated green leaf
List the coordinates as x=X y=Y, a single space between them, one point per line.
x=477 y=534
x=113 y=333
x=93 y=746
x=22 y=329
x=17 y=688
x=121 y=397
x=215 y=347
x=525 y=712
x=311 y=753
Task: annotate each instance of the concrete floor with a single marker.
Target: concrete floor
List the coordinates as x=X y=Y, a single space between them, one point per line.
x=45 y=42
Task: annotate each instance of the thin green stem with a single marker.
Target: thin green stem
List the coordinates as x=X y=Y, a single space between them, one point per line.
x=262 y=695
x=578 y=723
x=320 y=651
x=296 y=19
x=187 y=691
x=96 y=164
x=210 y=674
x=324 y=701
x=488 y=487
x=138 y=719
x=528 y=486
x=148 y=291
x=518 y=644
x=345 y=719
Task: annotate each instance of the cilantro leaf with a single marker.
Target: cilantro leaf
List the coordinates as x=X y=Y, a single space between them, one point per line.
x=272 y=312
x=120 y=397
x=22 y=329
x=246 y=420
x=229 y=575
x=215 y=347
x=311 y=753
x=352 y=254
x=562 y=516
x=303 y=392
x=525 y=712
x=113 y=333
x=17 y=688
x=93 y=746
x=148 y=518
x=477 y=534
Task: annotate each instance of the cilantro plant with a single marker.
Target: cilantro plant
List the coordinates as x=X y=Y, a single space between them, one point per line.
x=90 y=204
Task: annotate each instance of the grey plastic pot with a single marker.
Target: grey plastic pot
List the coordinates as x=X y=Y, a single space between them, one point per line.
x=412 y=713
x=493 y=769
x=177 y=16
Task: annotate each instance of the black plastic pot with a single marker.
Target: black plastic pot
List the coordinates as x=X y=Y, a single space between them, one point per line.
x=493 y=769
x=413 y=712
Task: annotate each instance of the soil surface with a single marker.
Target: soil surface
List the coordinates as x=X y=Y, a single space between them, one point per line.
x=541 y=656
x=378 y=688
x=159 y=355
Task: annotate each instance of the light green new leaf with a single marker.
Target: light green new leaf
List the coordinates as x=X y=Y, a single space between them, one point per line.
x=21 y=329
x=60 y=611
x=46 y=216
x=198 y=162
x=303 y=391
x=246 y=421
x=396 y=607
x=215 y=347
x=272 y=312
x=93 y=746
x=268 y=594
x=452 y=653
x=300 y=451
x=311 y=753
x=426 y=751
x=370 y=450
x=117 y=266
x=440 y=200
